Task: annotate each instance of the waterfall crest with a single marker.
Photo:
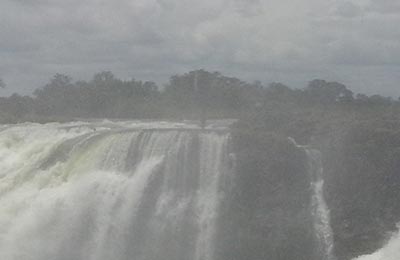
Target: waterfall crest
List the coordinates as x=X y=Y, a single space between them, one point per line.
x=100 y=192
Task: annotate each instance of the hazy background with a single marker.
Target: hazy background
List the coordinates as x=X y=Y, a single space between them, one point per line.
x=291 y=41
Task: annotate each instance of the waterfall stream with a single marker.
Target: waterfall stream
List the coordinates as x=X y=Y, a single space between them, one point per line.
x=104 y=191
x=319 y=208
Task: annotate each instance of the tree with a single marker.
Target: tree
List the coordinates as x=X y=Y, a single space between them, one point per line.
x=212 y=92
x=380 y=100
x=278 y=91
x=103 y=77
x=328 y=92
x=57 y=96
x=57 y=84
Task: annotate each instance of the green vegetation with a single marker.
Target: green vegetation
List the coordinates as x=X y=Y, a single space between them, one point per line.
x=105 y=96
x=185 y=96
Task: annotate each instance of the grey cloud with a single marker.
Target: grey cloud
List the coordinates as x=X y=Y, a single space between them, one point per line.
x=384 y=6
x=248 y=8
x=349 y=10
x=287 y=40
x=7 y=46
x=372 y=53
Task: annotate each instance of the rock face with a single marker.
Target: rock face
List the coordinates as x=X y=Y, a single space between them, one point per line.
x=363 y=186
x=267 y=212
x=267 y=215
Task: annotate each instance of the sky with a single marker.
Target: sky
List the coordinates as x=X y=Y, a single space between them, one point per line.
x=355 y=42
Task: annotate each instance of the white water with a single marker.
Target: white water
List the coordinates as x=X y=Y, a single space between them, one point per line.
x=104 y=191
x=391 y=251
x=320 y=210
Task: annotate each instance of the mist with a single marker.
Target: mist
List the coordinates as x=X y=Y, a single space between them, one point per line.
x=212 y=130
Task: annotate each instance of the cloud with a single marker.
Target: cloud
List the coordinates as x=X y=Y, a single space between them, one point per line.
x=287 y=40
x=384 y=6
x=348 y=9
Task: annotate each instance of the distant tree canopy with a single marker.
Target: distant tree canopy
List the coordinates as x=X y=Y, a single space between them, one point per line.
x=278 y=92
x=103 y=96
x=184 y=96
x=328 y=92
x=210 y=90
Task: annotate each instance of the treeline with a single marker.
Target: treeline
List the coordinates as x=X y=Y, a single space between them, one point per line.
x=184 y=96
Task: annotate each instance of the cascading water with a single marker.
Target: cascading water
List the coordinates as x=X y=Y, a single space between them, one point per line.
x=320 y=210
x=104 y=191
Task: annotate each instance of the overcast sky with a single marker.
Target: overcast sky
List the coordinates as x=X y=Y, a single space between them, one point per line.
x=356 y=42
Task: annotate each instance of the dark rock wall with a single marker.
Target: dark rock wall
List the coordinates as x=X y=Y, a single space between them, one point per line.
x=266 y=215
x=362 y=176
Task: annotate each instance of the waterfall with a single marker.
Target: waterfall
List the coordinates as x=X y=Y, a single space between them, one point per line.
x=81 y=191
x=319 y=208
